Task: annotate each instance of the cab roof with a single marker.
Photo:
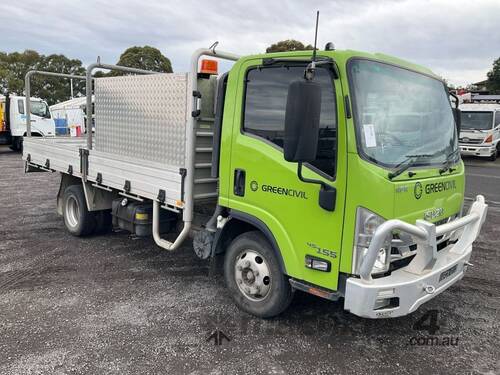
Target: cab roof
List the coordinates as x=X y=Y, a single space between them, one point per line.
x=480 y=107
x=342 y=56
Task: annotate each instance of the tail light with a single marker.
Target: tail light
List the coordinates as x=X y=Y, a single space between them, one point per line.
x=489 y=139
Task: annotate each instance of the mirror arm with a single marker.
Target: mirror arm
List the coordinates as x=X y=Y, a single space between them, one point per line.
x=327 y=194
x=311 y=68
x=457 y=101
x=309 y=180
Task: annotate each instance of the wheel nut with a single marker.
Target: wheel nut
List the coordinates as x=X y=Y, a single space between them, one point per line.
x=240 y=281
x=256 y=273
x=239 y=268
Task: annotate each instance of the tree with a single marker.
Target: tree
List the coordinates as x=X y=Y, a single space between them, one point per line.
x=147 y=58
x=288 y=45
x=493 y=82
x=54 y=89
x=14 y=66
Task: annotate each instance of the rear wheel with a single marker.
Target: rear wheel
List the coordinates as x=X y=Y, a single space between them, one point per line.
x=78 y=219
x=254 y=277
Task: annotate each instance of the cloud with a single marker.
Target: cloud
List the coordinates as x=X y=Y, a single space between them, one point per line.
x=455 y=38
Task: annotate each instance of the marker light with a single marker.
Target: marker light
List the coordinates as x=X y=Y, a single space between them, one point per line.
x=209 y=66
x=317 y=264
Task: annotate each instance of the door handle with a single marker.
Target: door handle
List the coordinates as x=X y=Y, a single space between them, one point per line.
x=239 y=182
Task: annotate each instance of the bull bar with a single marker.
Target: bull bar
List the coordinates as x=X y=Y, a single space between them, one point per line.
x=429 y=273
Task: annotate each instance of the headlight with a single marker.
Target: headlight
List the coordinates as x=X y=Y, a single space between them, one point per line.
x=367 y=223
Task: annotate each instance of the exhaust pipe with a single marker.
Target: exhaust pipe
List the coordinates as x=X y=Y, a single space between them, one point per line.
x=164 y=244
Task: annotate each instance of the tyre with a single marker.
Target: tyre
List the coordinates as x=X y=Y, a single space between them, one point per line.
x=493 y=157
x=104 y=221
x=254 y=277
x=17 y=144
x=78 y=219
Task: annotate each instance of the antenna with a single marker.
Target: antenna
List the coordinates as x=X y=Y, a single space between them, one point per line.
x=315 y=36
x=309 y=71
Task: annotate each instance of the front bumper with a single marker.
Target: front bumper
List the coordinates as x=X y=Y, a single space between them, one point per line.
x=473 y=150
x=428 y=274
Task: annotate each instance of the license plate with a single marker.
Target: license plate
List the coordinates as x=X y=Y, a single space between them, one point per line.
x=444 y=275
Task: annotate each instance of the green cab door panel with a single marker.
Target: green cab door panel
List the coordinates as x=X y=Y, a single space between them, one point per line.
x=252 y=155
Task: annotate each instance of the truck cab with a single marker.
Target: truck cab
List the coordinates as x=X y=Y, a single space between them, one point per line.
x=13 y=126
x=387 y=150
x=480 y=130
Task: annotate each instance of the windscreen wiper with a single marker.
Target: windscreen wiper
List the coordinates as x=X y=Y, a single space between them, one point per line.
x=446 y=164
x=407 y=163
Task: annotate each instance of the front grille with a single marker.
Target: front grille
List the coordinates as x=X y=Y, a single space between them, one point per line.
x=406 y=246
x=470 y=141
x=442 y=221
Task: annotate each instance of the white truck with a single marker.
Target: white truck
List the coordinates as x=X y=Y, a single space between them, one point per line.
x=480 y=131
x=13 y=120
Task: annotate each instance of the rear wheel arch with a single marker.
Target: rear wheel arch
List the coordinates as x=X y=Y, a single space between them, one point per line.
x=239 y=223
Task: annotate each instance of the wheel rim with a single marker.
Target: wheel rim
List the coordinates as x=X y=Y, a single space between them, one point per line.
x=72 y=213
x=252 y=275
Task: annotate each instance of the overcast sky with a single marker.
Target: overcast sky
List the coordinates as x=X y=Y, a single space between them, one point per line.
x=458 y=39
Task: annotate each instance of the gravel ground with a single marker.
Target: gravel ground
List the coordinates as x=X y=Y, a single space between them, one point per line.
x=117 y=305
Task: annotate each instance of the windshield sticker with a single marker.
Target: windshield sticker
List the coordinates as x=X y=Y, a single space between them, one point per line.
x=370 y=139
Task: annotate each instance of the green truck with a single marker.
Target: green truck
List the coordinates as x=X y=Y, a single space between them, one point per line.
x=337 y=174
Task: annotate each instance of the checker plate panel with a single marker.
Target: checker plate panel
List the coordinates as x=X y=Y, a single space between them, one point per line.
x=143 y=117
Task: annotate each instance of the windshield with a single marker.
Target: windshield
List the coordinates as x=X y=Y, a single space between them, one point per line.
x=477 y=120
x=40 y=109
x=399 y=113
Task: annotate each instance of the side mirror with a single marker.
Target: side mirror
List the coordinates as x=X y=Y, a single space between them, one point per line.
x=458 y=119
x=303 y=108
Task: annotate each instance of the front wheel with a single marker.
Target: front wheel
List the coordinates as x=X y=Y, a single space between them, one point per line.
x=17 y=144
x=254 y=277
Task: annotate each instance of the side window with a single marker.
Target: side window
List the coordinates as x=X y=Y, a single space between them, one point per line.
x=20 y=106
x=265 y=102
x=497 y=118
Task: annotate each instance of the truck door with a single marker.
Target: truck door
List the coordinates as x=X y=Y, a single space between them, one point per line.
x=265 y=186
